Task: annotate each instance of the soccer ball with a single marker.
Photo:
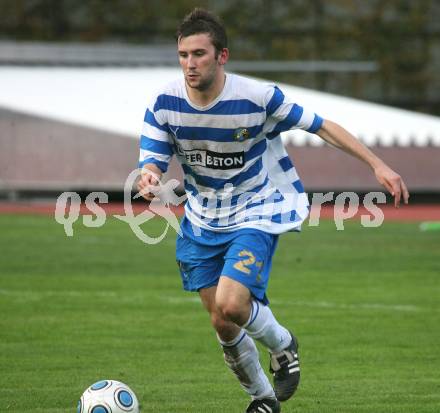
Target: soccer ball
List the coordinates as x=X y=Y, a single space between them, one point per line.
x=108 y=396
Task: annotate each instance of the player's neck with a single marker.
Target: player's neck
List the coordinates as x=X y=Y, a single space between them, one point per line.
x=205 y=97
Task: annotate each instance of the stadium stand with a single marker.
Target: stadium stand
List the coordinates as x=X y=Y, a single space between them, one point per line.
x=76 y=128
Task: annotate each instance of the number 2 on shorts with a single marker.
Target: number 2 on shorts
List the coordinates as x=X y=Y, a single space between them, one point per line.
x=242 y=265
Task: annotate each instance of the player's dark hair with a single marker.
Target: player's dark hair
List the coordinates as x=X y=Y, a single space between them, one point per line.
x=203 y=21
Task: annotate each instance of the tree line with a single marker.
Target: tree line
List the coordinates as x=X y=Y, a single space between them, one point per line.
x=401 y=36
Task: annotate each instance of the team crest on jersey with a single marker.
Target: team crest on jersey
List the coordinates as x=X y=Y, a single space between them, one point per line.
x=241 y=134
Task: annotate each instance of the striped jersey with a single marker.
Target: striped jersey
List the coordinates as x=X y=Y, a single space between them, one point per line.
x=237 y=173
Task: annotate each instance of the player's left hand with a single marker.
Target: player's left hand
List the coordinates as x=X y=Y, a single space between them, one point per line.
x=393 y=183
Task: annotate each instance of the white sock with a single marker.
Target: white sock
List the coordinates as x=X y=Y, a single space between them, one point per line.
x=263 y=326
x=241 y=356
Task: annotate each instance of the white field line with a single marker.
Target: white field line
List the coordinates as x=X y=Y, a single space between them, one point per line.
x=27 y=296
x=359 y=306
x=181 y=300
x=24 y=295
x=45 y=294
x=316 y=304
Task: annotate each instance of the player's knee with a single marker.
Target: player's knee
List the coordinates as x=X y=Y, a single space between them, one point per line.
x=231 y=309
x=218 y=322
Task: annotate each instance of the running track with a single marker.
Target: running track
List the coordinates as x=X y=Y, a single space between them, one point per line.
x=430 y=212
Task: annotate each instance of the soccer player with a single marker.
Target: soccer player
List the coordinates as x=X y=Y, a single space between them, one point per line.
x=242 y=192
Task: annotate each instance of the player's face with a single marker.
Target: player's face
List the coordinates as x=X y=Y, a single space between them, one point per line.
x=197 y=56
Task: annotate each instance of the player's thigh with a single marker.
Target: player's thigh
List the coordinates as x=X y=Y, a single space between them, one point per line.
x=232 y=297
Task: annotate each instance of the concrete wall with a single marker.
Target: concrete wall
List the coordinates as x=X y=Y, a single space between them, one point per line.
x=328 y=168
x=38 y=153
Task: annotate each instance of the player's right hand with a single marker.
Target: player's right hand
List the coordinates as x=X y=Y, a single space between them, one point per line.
x=148 y=184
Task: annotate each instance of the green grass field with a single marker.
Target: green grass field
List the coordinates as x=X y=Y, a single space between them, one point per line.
x=364 y=302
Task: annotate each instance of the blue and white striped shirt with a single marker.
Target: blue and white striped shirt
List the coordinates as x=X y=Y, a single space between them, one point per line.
x=237 y=171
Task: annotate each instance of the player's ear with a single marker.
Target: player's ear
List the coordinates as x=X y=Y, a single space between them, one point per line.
x=223 y=56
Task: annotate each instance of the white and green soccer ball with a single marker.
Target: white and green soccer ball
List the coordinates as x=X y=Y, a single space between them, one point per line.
x=108 y=396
